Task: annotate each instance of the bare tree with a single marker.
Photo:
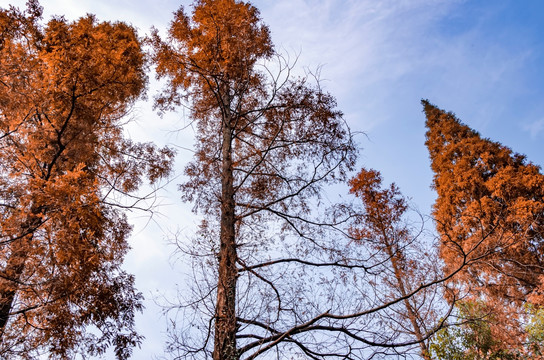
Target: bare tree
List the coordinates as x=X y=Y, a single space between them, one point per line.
x=276 y=272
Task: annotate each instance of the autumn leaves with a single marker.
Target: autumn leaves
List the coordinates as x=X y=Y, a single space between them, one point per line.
x=284 y=273
x=64 y=90
x=490 y=214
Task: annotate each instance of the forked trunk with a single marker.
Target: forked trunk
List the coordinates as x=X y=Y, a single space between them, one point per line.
x=225 y=316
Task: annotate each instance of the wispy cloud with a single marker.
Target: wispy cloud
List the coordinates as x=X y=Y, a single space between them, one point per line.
x=377 y=52
x=365 y=46
x=379 y=58
x=534 y=128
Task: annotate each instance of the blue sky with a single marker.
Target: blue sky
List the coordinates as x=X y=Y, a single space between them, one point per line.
x=483 y=60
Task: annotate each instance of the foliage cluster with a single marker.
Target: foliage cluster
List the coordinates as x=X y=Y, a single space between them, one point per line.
x=280 y=271
x=65 y=88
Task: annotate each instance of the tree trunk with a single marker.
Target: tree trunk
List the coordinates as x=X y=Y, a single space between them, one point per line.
x=10 y=280
x=11 y=274
x=225 y=316
x=412 y=315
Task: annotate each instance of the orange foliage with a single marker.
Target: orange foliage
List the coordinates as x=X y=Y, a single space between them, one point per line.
x=490 y=212
x=265 y=142
x=396 y=245
x=64 y=89
x=222 y=41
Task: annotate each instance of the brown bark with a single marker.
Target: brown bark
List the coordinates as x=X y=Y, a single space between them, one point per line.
x=225 y=321
x=11 y=278
x=411 y=312
x=11 y=274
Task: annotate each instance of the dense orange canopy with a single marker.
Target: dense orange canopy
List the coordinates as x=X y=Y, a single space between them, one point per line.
x=64 y=90
x=489 y=212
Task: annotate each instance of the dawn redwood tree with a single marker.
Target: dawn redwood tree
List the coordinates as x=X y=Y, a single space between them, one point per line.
x=401 y=259
x=65 y=173
x=489 y=211
x=276 y=273
x=265 y=144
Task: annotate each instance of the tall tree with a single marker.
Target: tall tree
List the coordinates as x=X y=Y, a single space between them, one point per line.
x=264 y=144
x=405 y=262
x=278 y=273
x=490 y=210
x=65 y=169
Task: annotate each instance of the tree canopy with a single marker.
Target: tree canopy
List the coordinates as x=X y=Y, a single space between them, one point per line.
x=64 y=163
x=490 y=212
x=280 y=270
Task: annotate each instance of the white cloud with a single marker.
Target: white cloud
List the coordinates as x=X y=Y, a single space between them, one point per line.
x=534 y=128
x=364 y=46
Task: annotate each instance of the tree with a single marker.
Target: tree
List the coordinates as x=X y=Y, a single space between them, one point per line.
x=476 y=335
x=489 y=210
x=474 y=338
x=264 y=143
x=65 y=169
x=398 y=249
x=534 y=327
x=275 y=270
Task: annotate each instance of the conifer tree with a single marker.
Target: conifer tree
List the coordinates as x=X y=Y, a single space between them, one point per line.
x=398 y=247
x=489 y=212
x=265 y=145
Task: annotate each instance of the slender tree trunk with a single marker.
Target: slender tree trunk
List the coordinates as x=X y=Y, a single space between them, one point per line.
x=10 y=280
x=412 y=315
x=225 y=318
x=11 y=274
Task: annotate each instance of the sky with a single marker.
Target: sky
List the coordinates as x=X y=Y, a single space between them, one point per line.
x=482 y=60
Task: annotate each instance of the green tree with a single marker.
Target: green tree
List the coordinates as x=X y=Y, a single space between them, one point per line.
x=65 y=169
x=473 y=338
x=535 y=331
